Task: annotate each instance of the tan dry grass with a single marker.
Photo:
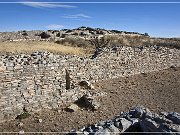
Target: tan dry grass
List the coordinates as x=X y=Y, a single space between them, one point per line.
x=29 y=47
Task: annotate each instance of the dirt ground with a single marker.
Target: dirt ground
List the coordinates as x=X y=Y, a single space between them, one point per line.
x=158 y=91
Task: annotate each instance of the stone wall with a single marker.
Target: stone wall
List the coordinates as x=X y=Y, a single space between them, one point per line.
x=37 y=81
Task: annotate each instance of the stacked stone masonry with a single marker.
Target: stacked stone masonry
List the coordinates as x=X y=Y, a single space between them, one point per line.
x=37 y=81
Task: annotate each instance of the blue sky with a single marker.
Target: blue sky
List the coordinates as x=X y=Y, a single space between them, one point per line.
x=160 y=20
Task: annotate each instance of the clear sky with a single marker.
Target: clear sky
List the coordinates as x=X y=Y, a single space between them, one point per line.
x=160 y=20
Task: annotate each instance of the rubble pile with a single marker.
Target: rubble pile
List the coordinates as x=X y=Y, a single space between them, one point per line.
x=138 y=119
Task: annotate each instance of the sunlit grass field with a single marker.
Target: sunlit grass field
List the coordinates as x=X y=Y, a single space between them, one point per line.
x=30 y=46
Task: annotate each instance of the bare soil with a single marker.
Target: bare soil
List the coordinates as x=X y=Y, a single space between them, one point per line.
x=158 y=91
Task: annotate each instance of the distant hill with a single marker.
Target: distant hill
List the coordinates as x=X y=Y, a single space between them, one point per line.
x=81 y=32
x=80 y=37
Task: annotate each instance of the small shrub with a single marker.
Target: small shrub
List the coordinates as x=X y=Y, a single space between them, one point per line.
x=100 y=42
x=68 y=31
x=165 y=42
x=76 y=42
x=44 y=35
x=146 y=34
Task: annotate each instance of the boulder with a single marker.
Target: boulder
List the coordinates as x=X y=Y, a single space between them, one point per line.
x=88 y=102
x=86 y=84
x=2 y=68
x=44 y=35
x=174 y=117
x=138 y=119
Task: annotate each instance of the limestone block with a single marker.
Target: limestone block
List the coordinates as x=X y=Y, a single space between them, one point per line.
x=2 y=68
x=9 y=68
x=9 y=64
x=72 y=108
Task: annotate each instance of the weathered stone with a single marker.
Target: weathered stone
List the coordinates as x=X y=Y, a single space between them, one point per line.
x=21 y=132
x=10 y=64
x=88 y=102
x=113 y=128
x=174 y=116
x=148 y=125
x=86 y=85
x=103 y=132
x=10 y=68
x=123 y=123
x=136 y=112
x=72 y=108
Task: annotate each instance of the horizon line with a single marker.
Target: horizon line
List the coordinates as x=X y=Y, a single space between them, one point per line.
x=152 y=36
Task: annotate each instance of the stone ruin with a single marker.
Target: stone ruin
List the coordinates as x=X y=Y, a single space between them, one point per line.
x=41 y=80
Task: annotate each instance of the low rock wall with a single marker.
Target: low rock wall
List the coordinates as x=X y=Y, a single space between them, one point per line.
x=138 y=119
x=38 y=81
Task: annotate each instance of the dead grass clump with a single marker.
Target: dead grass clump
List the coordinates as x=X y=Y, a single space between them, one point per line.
x=165 y=42
x=130 y=40
x=76 y=42
x=139 y=40
x=29 y=47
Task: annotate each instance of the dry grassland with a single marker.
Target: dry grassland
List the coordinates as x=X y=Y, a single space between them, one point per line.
x=29 y=47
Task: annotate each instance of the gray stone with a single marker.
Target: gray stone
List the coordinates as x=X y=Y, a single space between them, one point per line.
x=174 y=117
x=148 y=125
x=73 y=108
x=10 y=68
x=112 y=128
x=91 y=102
x=136 y=112
x=40 y=120
x=10 y=64
x=101 y=123
x=103 y=132
x=86 y=84
x=125 y=124
x=2 y=68
x=21 y=132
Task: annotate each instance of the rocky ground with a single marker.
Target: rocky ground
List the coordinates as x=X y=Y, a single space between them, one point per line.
x=158 y=91
x=138 y=119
